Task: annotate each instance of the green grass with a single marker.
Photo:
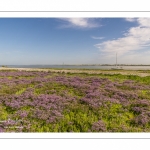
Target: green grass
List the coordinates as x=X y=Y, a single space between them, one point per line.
x=3 y=114
x=19 y=92
x=59 y=89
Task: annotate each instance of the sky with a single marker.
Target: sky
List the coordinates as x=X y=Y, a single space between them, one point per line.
x=50 y=41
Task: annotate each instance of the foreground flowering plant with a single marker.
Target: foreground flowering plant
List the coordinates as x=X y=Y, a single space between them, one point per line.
x=63 y=102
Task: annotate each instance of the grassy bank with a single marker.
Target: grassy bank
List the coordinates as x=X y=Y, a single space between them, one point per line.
x=141 y=73
x=53 y=100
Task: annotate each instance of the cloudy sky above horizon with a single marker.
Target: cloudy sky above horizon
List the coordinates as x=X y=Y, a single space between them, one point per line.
x=27 y=41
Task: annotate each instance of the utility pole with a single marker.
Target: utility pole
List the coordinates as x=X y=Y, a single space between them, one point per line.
x=116 y=59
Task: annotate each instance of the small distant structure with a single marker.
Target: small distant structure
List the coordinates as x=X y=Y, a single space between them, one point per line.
x=116 y=66
x=4 y=66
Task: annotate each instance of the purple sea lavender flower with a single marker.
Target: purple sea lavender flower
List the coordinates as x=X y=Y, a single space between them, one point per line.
x=138 y=110
x=51 y=119
x=142 y=103
x=9 y=122
x=2 y=130
x=141 y=120
x=99 y=126
x=23 y=114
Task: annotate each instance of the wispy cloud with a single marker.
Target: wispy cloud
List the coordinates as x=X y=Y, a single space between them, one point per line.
x=79 y=22
x=130 y=19
x=136 y=38
x=97 y=38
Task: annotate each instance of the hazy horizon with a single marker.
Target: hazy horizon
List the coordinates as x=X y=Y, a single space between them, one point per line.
x=66 y=64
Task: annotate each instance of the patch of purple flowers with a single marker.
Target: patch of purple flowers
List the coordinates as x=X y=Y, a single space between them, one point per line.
x=98 y=126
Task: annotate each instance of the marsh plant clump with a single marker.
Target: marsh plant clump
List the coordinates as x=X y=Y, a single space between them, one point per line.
x=32 y=101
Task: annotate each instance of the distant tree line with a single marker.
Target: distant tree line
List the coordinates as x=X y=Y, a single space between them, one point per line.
x=4 y=66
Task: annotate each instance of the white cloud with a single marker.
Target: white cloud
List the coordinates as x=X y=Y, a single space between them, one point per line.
x=97 y=38
x=79 y=22
x=144 y=22
x=136 y=38
x=130 y=19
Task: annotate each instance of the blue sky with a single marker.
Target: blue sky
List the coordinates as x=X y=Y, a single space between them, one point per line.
x=28 y=41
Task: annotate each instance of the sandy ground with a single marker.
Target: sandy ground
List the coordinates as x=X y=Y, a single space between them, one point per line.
x=123 y=72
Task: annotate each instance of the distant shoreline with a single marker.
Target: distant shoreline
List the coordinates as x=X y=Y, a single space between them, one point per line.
x=141 y=73
x=84 y=65
x=99 y=67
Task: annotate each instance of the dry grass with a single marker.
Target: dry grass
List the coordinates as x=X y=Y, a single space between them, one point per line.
x=89 y=71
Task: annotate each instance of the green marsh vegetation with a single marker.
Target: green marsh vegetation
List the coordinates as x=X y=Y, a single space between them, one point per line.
x=34 y=101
